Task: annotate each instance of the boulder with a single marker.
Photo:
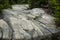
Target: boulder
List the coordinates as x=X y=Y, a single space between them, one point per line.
x=30 y=24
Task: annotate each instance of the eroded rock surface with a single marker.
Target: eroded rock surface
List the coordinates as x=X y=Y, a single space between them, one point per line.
x=4 y=30
x=32 y=24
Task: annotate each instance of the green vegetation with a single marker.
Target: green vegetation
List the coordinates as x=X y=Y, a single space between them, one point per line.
x=36 y=3
x=4 y=4
x=55 y=5
x=33 y=3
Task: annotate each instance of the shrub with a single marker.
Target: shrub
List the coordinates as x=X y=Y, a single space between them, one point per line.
x=4 y=4
x=55 y=4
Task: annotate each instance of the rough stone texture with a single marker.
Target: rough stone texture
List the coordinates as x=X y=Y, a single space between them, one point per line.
x=32 y=24
x=5 y=30
x=20 y=7
x=37 y=12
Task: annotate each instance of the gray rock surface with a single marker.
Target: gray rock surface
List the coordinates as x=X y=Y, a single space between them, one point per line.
x=20 y=7
x=5 y=30
x=28 y=24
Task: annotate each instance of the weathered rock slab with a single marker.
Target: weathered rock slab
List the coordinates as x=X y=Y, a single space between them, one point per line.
x=29 y=24
x=5 y=29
